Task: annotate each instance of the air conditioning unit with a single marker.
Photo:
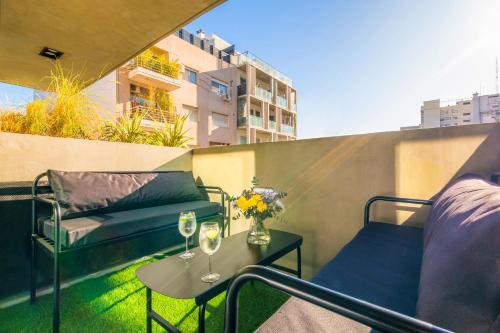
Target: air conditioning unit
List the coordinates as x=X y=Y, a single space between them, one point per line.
x=226 y=97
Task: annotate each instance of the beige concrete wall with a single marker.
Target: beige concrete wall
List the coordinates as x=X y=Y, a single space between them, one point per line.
x=328 y=180
x=23 y=156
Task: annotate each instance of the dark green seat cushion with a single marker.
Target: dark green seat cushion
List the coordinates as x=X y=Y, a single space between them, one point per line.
x=92 y=229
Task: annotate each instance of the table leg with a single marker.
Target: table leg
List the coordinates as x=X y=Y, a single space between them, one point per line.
x=148 y=310
x=299 y=263
x=201 y=318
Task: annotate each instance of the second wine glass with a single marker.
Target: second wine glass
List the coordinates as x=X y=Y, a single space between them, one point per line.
x=210 y=239
x=187 y=228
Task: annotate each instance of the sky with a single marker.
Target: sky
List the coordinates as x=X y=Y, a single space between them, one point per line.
x=361 y=66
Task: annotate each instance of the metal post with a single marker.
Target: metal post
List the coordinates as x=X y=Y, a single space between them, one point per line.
x=57 y=245
x=201 y=318
x=299 y=263
x=33 y=259
x=149 y=308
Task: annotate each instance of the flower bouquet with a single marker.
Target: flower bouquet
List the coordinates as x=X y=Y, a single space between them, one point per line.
x=258 y=204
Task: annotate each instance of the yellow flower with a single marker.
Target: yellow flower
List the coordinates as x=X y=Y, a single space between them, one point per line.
x=242 y=203
x=261 y=206
x=254 y=200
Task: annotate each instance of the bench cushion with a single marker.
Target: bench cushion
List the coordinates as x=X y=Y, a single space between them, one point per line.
x=91 y=229
x=460 y=280
x=381 y=265
x=89 y=193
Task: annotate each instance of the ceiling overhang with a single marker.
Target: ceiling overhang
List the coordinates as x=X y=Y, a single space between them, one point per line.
x=95 y=36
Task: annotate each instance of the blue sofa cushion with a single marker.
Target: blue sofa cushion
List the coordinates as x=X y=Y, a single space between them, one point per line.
x=460 y=280
x=381 y=265
x=91 y=229
x=88 y=193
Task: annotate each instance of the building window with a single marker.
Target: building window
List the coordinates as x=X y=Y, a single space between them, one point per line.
x=466 y=103
x=193 y=112
x=243 y=140
x=190 y=75
x=213 y=143
x=466 y=121
x=257 y=140
x=466 y=113
x=219 y=88
x=220 y=120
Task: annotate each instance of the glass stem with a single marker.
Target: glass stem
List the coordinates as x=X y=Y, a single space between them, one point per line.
x=186 y=244
x=209 y=264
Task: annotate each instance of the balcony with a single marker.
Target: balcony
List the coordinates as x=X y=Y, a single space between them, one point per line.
x=256 y=121
x=282 y=102
x=250 y=58
x=287 y=129
x=264 y=94
x=152 y=113
x=330 y=181
x=149 y=71
x=272 y=125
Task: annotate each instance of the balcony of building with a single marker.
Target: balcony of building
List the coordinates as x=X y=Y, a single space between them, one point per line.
x=150 y=71
x=152 y=113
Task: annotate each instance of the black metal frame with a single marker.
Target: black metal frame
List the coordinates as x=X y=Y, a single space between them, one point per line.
x=366 y=313
x=55 y=249
x=391 y=199
x=152 y=315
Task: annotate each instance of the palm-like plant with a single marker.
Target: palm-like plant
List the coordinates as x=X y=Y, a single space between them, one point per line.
x=171 y=135
x=126 y=129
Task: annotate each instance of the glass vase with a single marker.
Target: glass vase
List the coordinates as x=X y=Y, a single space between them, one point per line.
x=258 y=233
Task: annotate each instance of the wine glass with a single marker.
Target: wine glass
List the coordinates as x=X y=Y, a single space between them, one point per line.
x=210 y=239
x=187 y=228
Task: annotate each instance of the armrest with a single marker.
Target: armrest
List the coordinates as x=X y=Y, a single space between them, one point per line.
x=366 y=313
x=220 y=191
x=392 y=199
x=56 y=213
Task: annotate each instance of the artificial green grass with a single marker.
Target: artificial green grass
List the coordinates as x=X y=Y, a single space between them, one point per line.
x=117 y=303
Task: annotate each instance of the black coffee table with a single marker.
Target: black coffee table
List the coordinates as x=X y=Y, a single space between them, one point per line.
x=176 y=278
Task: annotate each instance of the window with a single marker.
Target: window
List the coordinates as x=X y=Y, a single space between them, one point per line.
x=190 y=75
x=243 y=140
x=213 y=143
x=466 y=103
x=466 y=113
x=467 y=121
x=193 y=112
x=219 y=88
x=220 y=120
x=258 y=140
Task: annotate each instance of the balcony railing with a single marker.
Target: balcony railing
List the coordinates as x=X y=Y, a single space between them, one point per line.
x=170 y=69
x=282 y=102
x=256 y=121
x=287 y=129
x=264 y=94
x=152 y=113
x=252 y=59
x=272 y=125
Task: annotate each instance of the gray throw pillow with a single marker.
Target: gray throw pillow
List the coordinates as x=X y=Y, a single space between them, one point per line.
x=86 y=193
x=460 y=277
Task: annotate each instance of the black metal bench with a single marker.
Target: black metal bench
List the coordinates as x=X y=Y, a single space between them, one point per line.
x=42 y=196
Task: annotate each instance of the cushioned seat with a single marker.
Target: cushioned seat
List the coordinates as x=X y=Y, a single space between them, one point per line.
x=99 y=227
x=380 y=265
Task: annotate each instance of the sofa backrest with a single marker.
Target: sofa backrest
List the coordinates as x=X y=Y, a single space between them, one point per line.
x=89 y=193
x=460 y=275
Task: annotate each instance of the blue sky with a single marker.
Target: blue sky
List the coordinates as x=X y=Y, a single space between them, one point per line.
x=363 y=66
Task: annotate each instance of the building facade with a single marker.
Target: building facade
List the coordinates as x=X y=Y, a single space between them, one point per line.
x=477 y=110
x=231 y=97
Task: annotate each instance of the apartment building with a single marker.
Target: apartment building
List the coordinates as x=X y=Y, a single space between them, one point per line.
x=477 y=110
x=231 y=97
